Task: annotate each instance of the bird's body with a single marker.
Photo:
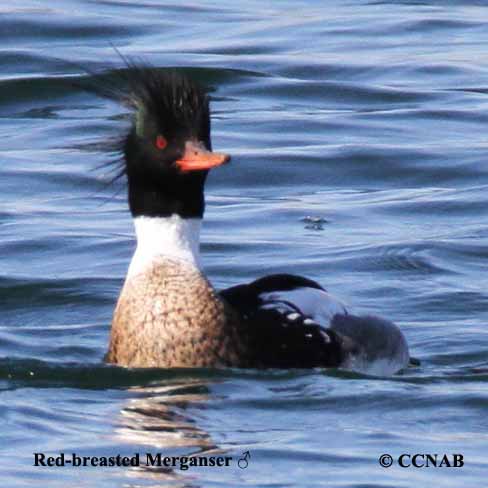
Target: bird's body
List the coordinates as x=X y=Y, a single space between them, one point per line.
x=168 y=314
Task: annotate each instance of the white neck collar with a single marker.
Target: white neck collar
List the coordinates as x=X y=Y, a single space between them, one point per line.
x=172 y=237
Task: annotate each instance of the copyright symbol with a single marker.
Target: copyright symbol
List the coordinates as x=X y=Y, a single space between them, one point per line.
x=385 y=460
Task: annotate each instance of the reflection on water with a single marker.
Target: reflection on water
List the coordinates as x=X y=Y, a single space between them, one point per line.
x=163 y=419
x=158 y=417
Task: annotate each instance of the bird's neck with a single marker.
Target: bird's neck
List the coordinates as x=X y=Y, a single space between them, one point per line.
x=170 y=237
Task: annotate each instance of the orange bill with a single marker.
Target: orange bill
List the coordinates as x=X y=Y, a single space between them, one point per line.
x=197 y=157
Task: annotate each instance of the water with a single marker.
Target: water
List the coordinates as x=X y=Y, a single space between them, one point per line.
x=358 y=136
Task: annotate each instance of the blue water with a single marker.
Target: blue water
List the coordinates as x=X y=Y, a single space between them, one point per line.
x=367 y=116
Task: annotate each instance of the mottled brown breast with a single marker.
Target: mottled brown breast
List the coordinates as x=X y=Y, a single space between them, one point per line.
x=170 y=316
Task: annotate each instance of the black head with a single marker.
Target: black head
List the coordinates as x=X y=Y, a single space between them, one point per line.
x=167 y=152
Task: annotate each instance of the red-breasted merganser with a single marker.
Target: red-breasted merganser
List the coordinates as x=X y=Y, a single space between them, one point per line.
x=168 y=314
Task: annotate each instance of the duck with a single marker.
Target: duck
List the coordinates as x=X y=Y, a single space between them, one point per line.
x=168 y=314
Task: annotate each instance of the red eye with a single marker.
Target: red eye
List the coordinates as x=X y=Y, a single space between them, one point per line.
x=161 y=142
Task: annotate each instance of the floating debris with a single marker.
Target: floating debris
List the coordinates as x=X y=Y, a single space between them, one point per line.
x=314 y=223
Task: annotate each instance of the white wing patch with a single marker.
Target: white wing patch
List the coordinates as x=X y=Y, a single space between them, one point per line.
x=319 y=305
